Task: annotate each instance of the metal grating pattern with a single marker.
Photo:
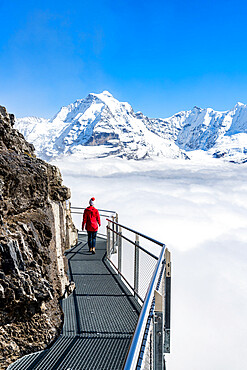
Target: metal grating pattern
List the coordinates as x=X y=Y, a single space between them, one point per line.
x=85 y=268
x=99 y=317
x=25 y=361
x=92 y=285
x=107 y=315
x=91 y=353
x=87 y=353
x=54 y=355
x=70 y=324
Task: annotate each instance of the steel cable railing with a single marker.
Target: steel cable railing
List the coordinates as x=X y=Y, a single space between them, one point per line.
x=135 y=261
x=143 y=264
x=135 y=347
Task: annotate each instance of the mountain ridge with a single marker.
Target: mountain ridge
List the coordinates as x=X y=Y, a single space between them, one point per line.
x=100 y=126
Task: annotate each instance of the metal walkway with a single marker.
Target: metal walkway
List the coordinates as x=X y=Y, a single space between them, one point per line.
x=100 y=317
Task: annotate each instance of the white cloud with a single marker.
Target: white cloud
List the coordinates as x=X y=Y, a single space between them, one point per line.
x=200 y=212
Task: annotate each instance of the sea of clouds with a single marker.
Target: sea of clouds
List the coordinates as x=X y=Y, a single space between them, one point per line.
x=200 y=212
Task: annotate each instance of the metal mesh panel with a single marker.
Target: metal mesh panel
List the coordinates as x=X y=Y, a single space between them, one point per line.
x=146 y=268
x=128 y=253
x=136 y=266
x=150 y=247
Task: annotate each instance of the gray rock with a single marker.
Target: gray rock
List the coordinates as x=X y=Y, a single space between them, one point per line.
x=29 y=275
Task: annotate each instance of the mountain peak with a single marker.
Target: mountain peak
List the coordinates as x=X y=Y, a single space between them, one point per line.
x=104 y=94
x=239 y=104
x=100 y=120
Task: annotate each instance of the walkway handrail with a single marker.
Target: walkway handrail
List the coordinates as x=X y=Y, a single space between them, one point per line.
x=137 y=233
x=131 y=242
x=134 y=350
x=101 y=210
x=151 y=336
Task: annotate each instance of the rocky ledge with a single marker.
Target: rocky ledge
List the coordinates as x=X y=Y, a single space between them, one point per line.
x=35 y=229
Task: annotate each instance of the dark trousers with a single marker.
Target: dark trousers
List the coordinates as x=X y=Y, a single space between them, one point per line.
x=91 y=239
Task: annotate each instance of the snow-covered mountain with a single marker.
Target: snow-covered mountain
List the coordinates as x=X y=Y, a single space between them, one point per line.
x=220 y=134
x=100 y=126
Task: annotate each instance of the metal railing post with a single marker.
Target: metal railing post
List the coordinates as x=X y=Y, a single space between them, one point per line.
x=108 y=247
x=113 y=236
x=167 y=317
x=158 y=337
x=136 y=266
x=120 y=250
x=117 y=230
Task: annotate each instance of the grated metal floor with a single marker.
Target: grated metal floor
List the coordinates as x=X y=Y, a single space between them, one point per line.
x=99 y=317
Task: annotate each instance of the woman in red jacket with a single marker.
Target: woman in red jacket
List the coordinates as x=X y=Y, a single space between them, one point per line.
x=91 y=219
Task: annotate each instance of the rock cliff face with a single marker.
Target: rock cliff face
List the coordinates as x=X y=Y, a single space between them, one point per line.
x=35 y=229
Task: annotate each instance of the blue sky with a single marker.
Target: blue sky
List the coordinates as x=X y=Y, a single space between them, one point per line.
x=160 y=56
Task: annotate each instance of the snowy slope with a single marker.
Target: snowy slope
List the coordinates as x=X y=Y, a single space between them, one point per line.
x=33 y=128
x=220 y=134
x=100 y=125
x=97 y=126
x=200 y=128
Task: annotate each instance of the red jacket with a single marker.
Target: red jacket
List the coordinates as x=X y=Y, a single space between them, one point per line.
x=91 y=219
